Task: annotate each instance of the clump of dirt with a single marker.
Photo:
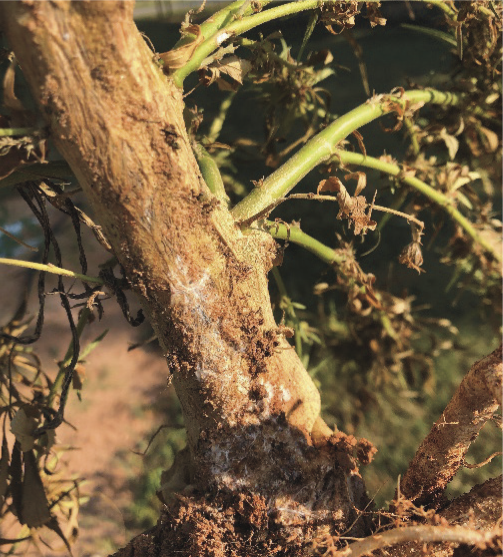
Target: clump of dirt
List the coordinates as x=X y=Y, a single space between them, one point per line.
x=287 y=500
x=225 y=525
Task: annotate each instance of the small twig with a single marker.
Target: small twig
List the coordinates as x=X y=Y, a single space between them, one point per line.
x=17 y=240
x=151 y=440
x=484 y=462
x=406 y=216
x=316 y=197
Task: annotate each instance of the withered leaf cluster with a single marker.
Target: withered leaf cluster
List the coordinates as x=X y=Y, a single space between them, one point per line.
x=352 y=208
x=342 y=15
x=35 y=487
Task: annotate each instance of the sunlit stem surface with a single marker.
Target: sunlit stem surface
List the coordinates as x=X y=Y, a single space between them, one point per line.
x=282 y=231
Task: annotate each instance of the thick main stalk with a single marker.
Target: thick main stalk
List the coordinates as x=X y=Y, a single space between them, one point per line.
x=118 y=122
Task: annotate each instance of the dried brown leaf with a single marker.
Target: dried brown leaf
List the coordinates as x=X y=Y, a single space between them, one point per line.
x=331 y=184
x=360 y=219
x=450 y=141
x=361 y=178
x=232 y=66
x=412 y=257
x=10 y=99
x=359 y=138
x=374 y=15
x=178 y=57
x=491 y=139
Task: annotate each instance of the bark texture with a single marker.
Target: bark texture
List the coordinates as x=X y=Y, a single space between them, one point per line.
x=250 y=408
x=443 y=451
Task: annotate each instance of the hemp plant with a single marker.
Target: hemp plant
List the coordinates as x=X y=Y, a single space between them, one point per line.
x=262 y=472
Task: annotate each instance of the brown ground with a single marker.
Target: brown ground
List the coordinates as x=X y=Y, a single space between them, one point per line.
x=115 y=415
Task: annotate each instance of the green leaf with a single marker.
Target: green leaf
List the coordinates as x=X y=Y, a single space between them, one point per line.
x=435 y=33
x=307 y=35
x=92 y=345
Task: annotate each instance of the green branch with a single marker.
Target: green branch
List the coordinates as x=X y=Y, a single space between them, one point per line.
x=238 y=18
x=236 y=28
x=436 y=196
x=282 y=231
x=49 y=269
x=321 y=147
x=220 y=19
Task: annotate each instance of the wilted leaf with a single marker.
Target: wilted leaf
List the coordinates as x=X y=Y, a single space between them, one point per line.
x=412 y=257
x=53 y=525
x=491 y=139
x=4 y=469
x=360 y=219
x=451 y=143
x=374 y=15
x=361 y=178
x=341 y=14
x=178 y=57
x=23 y=426
x=330 y=184
x=34 y=507
x=359 y=138
x=16 y=484
x=351 y=208
x=232 y=66
x=10 y=100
